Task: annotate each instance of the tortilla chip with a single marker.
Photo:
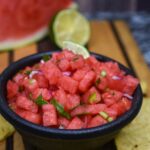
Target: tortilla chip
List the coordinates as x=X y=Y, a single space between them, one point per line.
x=136 y=135
x=6 y=129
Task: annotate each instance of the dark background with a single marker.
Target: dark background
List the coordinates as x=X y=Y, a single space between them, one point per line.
x=114 y=5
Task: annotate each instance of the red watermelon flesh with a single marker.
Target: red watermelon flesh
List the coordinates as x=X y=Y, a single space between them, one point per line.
x=20 y=18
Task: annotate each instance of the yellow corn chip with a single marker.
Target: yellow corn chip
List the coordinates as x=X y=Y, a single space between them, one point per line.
x=6 y=129
x=136 y=135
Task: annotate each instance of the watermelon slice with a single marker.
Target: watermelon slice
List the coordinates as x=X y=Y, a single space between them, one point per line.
x=25 y=21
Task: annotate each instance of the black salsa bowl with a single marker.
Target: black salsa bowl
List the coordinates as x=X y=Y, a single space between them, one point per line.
x=61 y=139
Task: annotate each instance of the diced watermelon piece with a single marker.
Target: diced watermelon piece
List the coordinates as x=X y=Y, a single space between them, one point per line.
x=68 y=54
x=77 y=62
x=30 y=84
x=57 y=56
x=75 y=123
x=18 y=77
x=12 y=89
x=64 y=64
x=80 y=73
x=116 y=84
x=46 y=94
x=127 y=103
x=111 y=112
x=33 y=117
x=63 y=122
x=94 y=64
x=80 y=110
x=68 y=84
x=111 y=97
x=49 y=115
x=21 y=112
x=92 y=96
x=122 y=106
x=86 y=119
x=42 y=81
x=95 y=108
x=88 y=109
x=73 y=100
x=91 y=61
x=103 y=84
x=130 y=84
x=96 y=121
x=119 y=108
x=51 y=72
x=61 y=97
x=87 y=81
x=111 y=68
x=24 y=103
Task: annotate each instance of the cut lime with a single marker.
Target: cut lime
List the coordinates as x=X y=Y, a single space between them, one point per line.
x=76 y=48
x=70 y=25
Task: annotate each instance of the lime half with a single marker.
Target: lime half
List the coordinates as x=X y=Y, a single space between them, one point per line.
x=70 y=25
x=76 y=48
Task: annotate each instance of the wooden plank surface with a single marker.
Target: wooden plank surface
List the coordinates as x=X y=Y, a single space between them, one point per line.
x=3 y=60
x=3 y=145
x=25 y=51
x=18 y=143
x=103 y=41
x=134 y=55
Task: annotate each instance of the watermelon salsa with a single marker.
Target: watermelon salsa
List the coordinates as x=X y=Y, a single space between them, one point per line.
x=66 y=91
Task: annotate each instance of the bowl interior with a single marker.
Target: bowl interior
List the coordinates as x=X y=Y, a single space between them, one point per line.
x=18 y=122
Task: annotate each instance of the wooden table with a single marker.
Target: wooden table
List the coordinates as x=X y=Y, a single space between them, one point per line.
x=112 y=39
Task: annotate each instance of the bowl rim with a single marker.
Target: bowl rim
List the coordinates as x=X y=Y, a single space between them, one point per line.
x=26 y=126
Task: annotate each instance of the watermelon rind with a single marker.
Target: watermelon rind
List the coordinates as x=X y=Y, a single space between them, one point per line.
x=17 y=43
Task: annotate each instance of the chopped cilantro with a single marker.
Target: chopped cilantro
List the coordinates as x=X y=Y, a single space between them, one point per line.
x=104 y=114
x=27 y=72
x=46 y=57
x=97 y=82
x=40 y=101
x=92 y=97
x=60 y=109
x=110 y=119
x=103 y=73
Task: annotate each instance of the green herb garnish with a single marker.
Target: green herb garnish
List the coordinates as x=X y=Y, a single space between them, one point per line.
x=104 y=114
x=40 y=101
x=46 y=58
x=97 y=82
x=31 y=81
x=27 y=72
x=92 y=97
x=110 y=119
x=103 y=73
x=60 y=109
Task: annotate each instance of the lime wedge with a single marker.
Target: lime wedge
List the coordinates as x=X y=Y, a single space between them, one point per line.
x=76 y=48
x=70 y=25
